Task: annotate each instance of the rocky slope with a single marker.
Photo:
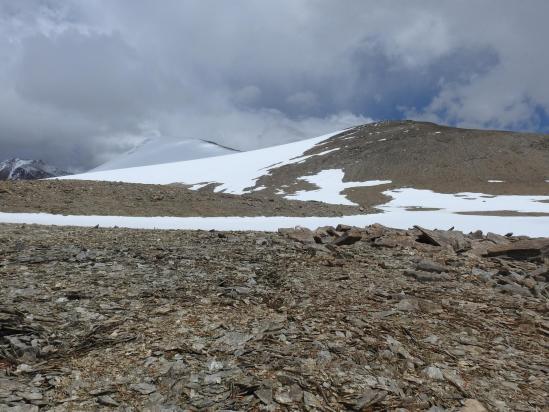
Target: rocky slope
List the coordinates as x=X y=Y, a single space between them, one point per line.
x=424 y=156
x=76 y=197
x=337 y=319
x=19 y=169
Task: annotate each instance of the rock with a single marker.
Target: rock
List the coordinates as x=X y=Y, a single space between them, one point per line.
x=427 y=276
x=348 y=238
x=477 y=234
x=311 y=401
x=143 y=388
x=213 y=379
x=541 y=274
x=369 y=398
x=429 y=266
x=497 y=239
x=408 y=305
x=235 y=339
x=22 y=407
x=298 y=234
x=432 y=372
x=343 y=228
x=107 y=401
x=283 y=397
x=265 y=395
x=296 y=393
x=451 y=238
x=514 y=289
x=483 y=274
x=472 y=405
x=31 y=396
x=522 y=249
x=262 y=241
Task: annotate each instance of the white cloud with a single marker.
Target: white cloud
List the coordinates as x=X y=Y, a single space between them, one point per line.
x=90 y=78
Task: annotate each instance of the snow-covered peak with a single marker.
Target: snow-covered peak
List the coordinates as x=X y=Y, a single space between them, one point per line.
x=233 y=173
x=24 y=169
x=156 y=151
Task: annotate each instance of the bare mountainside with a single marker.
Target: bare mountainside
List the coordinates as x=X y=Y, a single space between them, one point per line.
x=423 y=156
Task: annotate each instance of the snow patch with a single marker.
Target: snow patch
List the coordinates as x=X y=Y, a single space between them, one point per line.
x=330 y=183
x=464 y=202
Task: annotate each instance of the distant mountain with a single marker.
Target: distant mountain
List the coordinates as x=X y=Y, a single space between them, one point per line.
x=20 y=169
x=155 y=151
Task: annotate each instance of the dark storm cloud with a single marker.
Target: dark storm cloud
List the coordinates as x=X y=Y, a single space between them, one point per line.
x=82 y=81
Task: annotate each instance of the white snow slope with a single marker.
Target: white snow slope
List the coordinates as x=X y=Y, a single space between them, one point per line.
x=155 y=151
x=234 y=172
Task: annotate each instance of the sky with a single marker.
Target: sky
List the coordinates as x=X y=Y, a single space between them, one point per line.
x=83 y=81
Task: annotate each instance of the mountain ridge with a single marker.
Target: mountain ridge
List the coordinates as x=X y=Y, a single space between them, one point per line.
x=406 y=153
x=28 y=169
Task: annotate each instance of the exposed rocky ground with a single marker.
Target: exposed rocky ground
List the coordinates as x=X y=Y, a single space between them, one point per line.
x=424 y=156
x=338 y=319
x=79 y=197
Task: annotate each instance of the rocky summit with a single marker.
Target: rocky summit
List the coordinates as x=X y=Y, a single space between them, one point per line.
x=338 y=318
x=19 y=169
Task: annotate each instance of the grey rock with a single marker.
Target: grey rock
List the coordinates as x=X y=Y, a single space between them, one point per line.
x=432 y=372
x=265 y=395
x=143 y=388
x=348 y=238
x=369 y=398
x=427 y=276
x=429 y=266
x=107 y=400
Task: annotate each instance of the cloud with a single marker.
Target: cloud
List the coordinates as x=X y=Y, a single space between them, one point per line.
x=83 y=81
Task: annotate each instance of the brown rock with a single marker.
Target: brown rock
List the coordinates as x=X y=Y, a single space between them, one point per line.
x=452 y=238
x=472 y=405
x=343 y=228
x=522 y=249
x=422 y=276
x=348 y=238
x=299 y=234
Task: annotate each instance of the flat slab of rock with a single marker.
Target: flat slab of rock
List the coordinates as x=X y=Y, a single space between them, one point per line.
x=299 y=234
x=423 y=276
x=350 y=237
x=143 y=388
x=452 y=238
x=522 y=249
x=429 y=266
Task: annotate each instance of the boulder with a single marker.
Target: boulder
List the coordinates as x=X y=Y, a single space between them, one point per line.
x=348 y=238
x=522 y=249
x=451 y=238
x=299 y=234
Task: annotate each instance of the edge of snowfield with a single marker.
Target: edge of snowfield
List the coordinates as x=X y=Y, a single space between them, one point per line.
x=519 y=225
x=234 y=172
x=399 y=213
